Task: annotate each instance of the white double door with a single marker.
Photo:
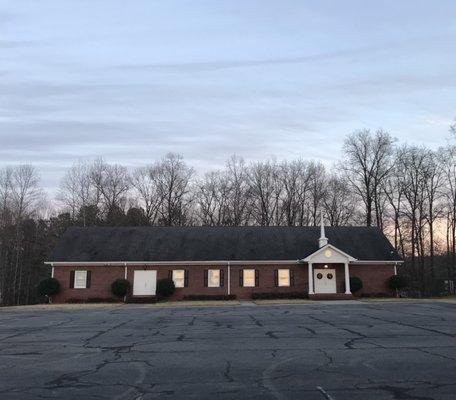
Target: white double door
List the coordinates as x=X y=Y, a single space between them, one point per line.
x=325 y=280
x=144 y=283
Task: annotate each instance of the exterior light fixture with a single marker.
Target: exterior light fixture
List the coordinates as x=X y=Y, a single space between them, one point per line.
x=326 y=265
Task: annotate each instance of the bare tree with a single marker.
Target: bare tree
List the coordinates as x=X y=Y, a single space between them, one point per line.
x=211 y=198
x=393 y=187
x=25 y=196
x=77 y=191
x=412 y=161
x=368 y=161
x=265 y=188
x=433 y=192
x=448 y=163
x=339 y=204
x=296 y=178
x=173 y=185
x=238 y=195
x=5 y=195
x=112 y=182
x=317 y=192
x=144 y=181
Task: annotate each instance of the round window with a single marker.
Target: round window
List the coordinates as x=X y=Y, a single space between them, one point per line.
x=329 y=276
x=319 y=275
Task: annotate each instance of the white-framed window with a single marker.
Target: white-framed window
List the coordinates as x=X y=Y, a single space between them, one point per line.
x=80 y=279
x=179 y=278
x=213 y=278
x=248 y=277
x=283 y=277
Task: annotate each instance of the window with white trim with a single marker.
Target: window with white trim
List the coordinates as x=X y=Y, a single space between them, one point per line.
x=179 y=278
x=283 y=277
x=213 y=278
x=80 y=279
x=248 y=278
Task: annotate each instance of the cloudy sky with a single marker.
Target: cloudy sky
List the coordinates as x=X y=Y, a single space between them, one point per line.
x=133 y=80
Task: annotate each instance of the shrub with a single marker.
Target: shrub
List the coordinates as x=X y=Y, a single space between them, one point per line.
x=356 y=284
x=120 y=287
x=273 y=296
x=397 y=282
x=49 y=287
x=193 y=297
x=165 y=287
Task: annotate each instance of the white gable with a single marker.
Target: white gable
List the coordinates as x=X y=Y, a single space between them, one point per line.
x=329 y=254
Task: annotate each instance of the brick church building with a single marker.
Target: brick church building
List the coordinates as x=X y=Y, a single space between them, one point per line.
x=236 y=261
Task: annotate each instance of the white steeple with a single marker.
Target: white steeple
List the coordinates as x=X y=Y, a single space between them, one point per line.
x=323 y=241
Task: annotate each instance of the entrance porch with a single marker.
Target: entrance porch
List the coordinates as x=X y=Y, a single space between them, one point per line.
x=329 y=273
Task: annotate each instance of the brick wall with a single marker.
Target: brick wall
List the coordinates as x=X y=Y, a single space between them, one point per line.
x=101 y=279
x=374 y=279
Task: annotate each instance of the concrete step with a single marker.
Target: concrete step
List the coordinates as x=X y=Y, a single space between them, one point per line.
x=142 y=299
x=331 y=296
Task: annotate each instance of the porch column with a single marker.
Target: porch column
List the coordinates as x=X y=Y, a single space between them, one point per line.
x=347 y=279
x=311 y=280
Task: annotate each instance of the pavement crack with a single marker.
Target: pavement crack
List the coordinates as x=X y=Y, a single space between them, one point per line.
x=410 y=325
x=256 y=321
x=271 y=335
x=227 y=372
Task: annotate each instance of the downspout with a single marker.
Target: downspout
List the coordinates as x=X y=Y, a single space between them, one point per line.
x=395 y=268
x=52 y=276
x=229 y=279
x=125 y=277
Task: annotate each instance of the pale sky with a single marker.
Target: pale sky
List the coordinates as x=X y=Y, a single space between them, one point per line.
x=133 y=80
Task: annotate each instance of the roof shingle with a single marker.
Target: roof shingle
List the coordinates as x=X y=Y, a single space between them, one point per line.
x=216 y=243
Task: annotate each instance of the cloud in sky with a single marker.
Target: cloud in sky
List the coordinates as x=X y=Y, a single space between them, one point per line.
x=132 y=81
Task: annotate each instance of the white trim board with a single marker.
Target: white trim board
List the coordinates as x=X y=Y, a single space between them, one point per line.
x=340 y=253
x=240 y=262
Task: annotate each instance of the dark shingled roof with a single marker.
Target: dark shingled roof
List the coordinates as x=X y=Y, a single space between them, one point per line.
x=216 y=243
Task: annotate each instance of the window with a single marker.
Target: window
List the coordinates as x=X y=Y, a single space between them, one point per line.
x=80 y=279
x=284 y=277
x=179 y=278
x=248 y=278
x=213 y=278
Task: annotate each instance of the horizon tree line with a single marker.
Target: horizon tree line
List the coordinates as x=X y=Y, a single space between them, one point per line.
x=407 y=191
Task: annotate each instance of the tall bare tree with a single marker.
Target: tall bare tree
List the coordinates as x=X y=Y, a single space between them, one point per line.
x=144 y=181
x=238 y=195
x=367 y=162
x=265 y=188
x=173 y=186
x=77 y=191
x=339 y=202
x=211 y=198
x=112 y=182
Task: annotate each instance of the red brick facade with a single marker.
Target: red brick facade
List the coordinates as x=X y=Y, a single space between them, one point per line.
x=374 y=279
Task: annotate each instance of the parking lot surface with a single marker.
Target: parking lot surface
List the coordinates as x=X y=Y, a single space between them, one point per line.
x=325 y=350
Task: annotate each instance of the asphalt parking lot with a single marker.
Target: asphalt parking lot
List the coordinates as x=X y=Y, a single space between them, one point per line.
x=332 y=351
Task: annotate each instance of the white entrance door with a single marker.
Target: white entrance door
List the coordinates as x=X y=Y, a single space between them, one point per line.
x=325 y=280
x=144 y=283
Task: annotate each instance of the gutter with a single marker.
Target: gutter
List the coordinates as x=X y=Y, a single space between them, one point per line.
x=221 y=263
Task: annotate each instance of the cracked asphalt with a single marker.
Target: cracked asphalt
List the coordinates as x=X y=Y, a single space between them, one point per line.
x=332 y=351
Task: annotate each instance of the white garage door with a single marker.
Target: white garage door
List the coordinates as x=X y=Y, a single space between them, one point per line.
x=144 y=283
